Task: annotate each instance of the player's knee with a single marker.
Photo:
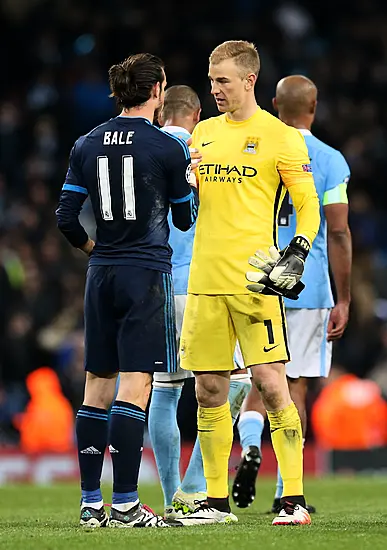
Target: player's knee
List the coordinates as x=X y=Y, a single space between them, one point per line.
x=272 y=395
x=135 y=388
x=272 y=384
x=98 y=400
x=99 y=391
x=209 y=393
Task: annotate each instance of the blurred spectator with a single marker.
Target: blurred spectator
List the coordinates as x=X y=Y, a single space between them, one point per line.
x=11 y=139
x=350 y=414
x=47 y=425
x=43 y=94
x=18 y=358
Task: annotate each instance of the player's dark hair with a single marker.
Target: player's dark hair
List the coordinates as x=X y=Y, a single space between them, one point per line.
x=131 y=81
x=180 y=101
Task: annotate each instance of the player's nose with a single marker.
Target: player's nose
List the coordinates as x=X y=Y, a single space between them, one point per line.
x=214 y=88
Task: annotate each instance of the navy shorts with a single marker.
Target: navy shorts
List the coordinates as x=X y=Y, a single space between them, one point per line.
x=129 y=320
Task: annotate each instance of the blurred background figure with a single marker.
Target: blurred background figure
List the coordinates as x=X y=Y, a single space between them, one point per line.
x=47 y=424
x=350 y=414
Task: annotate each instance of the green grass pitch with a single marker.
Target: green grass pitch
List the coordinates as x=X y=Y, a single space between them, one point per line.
x=352 y=515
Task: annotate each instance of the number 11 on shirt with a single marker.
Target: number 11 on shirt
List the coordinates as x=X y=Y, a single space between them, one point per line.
x=129 y=199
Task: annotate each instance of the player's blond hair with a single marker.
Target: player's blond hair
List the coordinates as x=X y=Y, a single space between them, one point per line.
x=244 y=54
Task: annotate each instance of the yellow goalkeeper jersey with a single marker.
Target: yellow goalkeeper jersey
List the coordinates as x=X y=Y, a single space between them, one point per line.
x=246 y=168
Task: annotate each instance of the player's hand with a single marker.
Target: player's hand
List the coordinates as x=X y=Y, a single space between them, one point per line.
x=196 y=156
x=262 y=284
x=264 y=264
x=288 y=270
x=88 y=247
x=338 y=321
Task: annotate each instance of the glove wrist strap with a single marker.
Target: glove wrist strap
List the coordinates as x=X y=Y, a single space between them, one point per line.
x=301 y=244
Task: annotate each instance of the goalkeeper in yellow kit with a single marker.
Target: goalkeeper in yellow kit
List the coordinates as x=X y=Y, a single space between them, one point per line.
x=250 y=159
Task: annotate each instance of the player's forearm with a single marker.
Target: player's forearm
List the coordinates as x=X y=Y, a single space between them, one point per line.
x=74 y=233
x=67 y=215
x=307 y=207
x=184 y=214
x=340 y=260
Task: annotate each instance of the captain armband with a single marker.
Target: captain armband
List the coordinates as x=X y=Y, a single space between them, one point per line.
x=337 y=195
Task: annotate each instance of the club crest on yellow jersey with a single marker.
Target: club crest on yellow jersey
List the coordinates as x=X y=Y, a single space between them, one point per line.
x=251 y=146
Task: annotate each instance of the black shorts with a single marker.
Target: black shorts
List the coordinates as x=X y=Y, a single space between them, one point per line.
x=129 y=320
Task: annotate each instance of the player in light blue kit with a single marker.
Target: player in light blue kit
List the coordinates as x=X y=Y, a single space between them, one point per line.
x=180 y=114
x=314 y=321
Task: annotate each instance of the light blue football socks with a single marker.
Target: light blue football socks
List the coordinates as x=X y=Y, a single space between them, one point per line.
x=164 y=434
x=250 y=428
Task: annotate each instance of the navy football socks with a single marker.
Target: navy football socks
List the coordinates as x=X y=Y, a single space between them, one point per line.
x=126 y=435
x=92 y=432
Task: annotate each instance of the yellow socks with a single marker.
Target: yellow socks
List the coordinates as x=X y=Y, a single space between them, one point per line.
x=215 y=436
x=286 y=436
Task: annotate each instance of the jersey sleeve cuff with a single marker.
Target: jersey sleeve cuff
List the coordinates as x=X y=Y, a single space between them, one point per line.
x=182 y=199
x=304 y=237
x=75 y=188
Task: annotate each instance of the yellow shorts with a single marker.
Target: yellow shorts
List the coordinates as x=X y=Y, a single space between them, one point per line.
x=212 y=324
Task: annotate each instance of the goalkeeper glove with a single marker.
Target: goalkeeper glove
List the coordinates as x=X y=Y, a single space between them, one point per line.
x=289 y=268
x=280 y=273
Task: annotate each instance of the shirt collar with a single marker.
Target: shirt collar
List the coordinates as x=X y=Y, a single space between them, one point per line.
x=175 y=129
x=304 y=132
x=134 y=117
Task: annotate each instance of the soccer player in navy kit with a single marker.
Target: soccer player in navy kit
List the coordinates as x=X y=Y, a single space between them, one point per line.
x=133 y=174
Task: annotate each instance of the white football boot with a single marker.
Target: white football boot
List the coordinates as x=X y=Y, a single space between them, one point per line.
x=139 y=515
x=204 y=515
x=292 y=514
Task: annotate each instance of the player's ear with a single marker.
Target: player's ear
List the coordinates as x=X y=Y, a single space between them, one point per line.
x=196 y=116
x=313 y=107
x=250 y=81
x=156 y=90
x=275 y=106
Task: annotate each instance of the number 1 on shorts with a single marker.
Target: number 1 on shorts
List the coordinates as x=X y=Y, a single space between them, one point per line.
x=269 y=327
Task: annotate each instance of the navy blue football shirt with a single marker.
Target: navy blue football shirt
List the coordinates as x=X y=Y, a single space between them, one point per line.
x=133 y=173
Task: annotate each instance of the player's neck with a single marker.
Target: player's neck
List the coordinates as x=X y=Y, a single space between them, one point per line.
x=247 y=110
x=301 y=123
x=144 y=111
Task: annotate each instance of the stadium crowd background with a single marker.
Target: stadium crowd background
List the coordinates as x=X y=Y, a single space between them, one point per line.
x=55 y=56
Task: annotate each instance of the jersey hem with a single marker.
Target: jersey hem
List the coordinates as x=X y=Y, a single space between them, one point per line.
x=130 y=262
x=302 y=306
